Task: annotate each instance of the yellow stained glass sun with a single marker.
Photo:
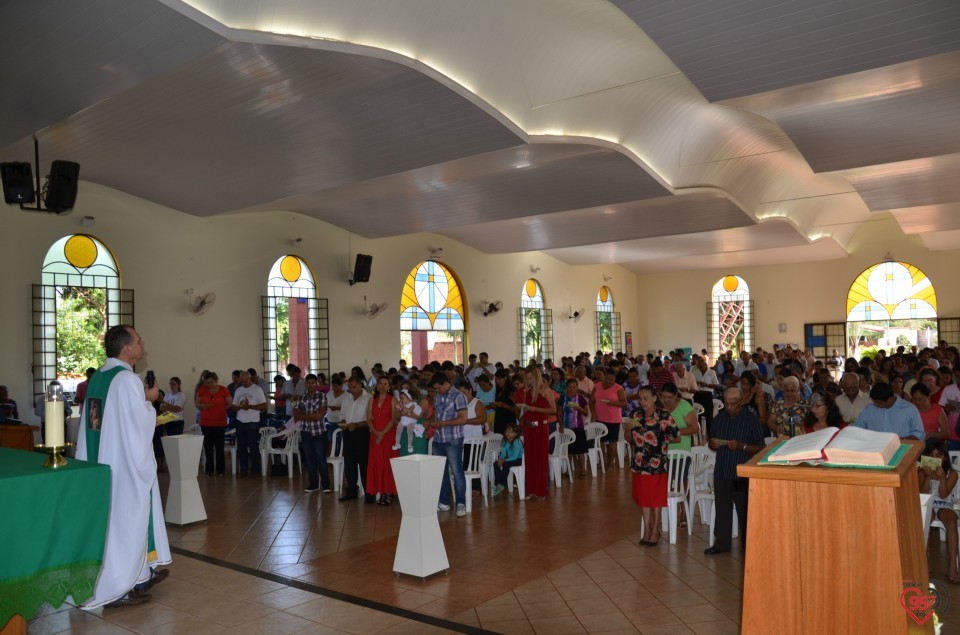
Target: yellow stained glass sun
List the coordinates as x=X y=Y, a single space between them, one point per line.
x=730 y=284
x=290 y=269
x=81 y=251
x=531 y=288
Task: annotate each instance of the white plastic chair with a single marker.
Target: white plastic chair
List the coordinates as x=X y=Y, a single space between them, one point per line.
x=698 y=437
x=490 y=455
x=623 y=446
x=926 y=513
x=677 y=491
x=474 y=449
x=713 y=520
x=955 y=459
x=717 y=407
x=518 y=474
x=336 y=459
x=290 y=449
x=595 y=434
x=769 y=440
x=266 y=436
x=700 y=483
x=560 y=458
x=230 y=447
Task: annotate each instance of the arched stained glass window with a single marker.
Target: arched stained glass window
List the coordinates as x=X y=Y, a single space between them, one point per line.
x=292 y=320
x=891 y=291
x=608 y=322
x=433 y=319
x=900 y=302
x=730 y=314
x=535 y=323
x=78 y=299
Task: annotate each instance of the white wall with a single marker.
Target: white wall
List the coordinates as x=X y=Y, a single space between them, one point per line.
x=792 y=294
x=163 y=252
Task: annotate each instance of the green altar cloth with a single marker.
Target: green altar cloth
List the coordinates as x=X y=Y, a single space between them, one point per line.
x=53 y=525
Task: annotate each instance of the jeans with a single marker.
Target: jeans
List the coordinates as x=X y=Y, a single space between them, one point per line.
x=248 y=447
x=453 y=451
x=315 y=458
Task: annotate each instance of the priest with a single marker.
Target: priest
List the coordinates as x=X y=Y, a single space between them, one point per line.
x=116 y=429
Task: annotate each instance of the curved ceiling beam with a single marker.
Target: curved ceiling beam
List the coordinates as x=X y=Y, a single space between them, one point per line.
x=561 y=70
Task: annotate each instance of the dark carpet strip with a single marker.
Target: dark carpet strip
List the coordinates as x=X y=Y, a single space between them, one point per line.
x=337 y=595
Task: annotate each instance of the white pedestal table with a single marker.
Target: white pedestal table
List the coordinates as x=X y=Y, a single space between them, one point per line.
x=184 y=504
x=420 y=549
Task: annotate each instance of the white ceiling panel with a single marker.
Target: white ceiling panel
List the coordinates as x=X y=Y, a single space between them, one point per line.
x=517 y=182
x=916 y=183
x=825 y=249
x=884 y=115
x=929 y=218
x=665 y=216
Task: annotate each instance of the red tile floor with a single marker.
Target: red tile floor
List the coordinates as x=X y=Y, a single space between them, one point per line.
x=569 y=564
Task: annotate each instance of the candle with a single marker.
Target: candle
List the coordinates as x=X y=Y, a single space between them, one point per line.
x=53 y=423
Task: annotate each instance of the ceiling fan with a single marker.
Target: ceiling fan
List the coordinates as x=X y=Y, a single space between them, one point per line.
x=202 y=303
x=491 y=307
x=578 y=314
x=373 y=310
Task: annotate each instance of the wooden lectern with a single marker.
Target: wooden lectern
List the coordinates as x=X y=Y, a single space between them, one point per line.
x=830 y=550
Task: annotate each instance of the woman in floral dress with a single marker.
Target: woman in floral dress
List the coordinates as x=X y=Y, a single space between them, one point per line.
x=650 y=430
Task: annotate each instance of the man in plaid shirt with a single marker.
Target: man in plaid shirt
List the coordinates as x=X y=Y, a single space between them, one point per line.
x=310 y=411
x=449 y=415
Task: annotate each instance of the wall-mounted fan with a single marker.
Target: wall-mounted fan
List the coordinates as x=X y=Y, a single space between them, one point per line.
x=576 y=315
x=202 y=303
x=373 y=310
x=489 y=308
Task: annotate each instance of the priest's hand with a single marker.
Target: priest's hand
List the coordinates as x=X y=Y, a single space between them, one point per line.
x=151 y=394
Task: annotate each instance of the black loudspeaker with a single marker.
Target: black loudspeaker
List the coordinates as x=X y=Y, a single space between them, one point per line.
x=361 y=270
x=62 y=186
x=17 y=183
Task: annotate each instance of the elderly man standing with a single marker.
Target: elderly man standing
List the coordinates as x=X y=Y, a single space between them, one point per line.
x=136 y=534
x=736 y=436
x=851 y=402
x=889 y=413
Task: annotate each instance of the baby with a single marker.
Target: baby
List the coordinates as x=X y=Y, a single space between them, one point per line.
x=410 y=412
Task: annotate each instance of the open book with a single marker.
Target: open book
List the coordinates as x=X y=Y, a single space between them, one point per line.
x=850 y=446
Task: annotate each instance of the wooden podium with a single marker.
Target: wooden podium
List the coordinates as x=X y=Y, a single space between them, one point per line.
x=831 y=550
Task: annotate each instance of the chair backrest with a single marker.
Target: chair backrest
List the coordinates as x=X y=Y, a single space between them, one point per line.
x=595 y=433
x=494 y=444
x=561 y=442
x=955 y=459
x=704 y=459
x=717 y=407
x=293 y=442
x=473 y=446
x=677 y=462
x=265 y=433
x=698 y=408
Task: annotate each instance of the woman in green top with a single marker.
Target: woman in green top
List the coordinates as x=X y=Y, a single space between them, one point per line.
x=683 y=414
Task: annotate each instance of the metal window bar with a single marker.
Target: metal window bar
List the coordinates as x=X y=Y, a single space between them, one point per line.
x=616 y=336
x=731 y=325
x=318 y=330
x=949 y=329
x=522 y=336
x=546 y=330
x=822 y=338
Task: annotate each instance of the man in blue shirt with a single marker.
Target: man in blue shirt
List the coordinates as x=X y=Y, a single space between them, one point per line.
x=449 y=415
x=889 y=413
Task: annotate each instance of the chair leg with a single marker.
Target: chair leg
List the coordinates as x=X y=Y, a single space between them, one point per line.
x=672 y=520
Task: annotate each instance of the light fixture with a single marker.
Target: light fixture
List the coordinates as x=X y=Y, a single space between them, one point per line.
x=58 y=194
x=434 y=251
x=607 y=278
x=296 y=242
x=88 y=221
x=534 y=269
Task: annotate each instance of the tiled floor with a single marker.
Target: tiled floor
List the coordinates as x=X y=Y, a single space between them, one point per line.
x=570 y=564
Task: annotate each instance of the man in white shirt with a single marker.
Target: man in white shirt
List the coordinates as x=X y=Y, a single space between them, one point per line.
x=852 y=402
x=356 y=439
x=584 y=384
x=643 y=370
x=686 y=383
x=744 y=363
x=293 y=388
x=477 y=368
x=248 y=403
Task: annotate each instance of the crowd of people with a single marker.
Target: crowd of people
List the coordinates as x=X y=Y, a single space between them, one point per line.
x=407 y=410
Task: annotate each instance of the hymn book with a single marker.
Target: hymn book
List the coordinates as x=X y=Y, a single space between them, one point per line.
x=850 y=446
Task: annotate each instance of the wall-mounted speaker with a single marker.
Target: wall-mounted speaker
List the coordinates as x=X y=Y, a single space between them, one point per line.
x=361 y=269
x=62 y=186
x=17 y=183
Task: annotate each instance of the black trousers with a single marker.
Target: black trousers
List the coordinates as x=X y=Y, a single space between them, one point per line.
x=728 y=493
x=213 y=448
x=356 y=449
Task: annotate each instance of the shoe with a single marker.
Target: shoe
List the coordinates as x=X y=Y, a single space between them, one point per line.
x=311 y=490
x=159 y=575
x=644 y=543
x=461 y=510
x=711 y=551
x=327 y=490
x=395 y=447
x=443 y=508
x=134 y=598
x=348 y=497
x=385 y=499
x=410 y=450
x=652 y=543
x=369 y=499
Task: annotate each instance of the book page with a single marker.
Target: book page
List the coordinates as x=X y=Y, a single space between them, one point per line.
x=806 y=447
x=856 y=446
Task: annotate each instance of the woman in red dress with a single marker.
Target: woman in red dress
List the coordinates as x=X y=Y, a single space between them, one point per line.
x=381 y=421
x=539 y=406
